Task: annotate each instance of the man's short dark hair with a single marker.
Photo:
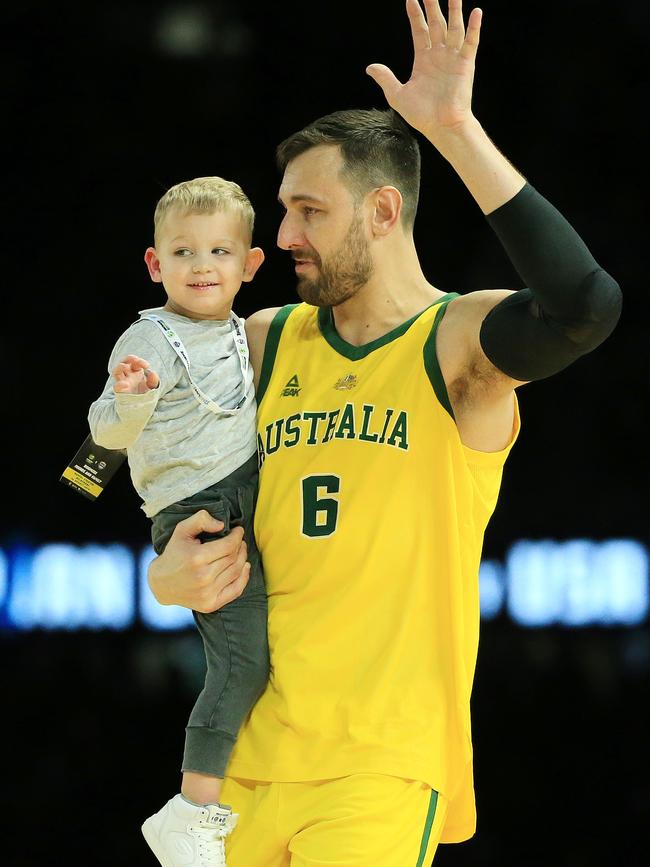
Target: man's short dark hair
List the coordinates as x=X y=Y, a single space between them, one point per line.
x=377 y=147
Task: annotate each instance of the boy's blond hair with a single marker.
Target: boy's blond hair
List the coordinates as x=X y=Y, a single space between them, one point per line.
x=204 y=196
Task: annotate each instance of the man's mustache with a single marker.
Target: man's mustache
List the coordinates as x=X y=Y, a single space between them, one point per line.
x=310 y=255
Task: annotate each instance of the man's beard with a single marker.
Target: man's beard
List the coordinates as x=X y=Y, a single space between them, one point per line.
x=342 y=274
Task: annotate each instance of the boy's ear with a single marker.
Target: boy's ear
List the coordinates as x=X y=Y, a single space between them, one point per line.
x=153 y=265
x=253 y=261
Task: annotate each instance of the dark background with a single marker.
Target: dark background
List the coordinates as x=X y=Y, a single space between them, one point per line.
x=103 y=113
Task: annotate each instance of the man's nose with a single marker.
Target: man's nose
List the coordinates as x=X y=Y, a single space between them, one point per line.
x=289 y=235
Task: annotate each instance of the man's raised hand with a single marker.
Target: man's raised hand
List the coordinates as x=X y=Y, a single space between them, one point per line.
x=437 y=98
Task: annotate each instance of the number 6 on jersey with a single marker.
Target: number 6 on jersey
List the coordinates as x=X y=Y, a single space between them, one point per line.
x=319 y=512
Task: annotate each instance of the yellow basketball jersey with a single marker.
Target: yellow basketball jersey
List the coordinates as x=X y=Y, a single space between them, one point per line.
x=370 y=523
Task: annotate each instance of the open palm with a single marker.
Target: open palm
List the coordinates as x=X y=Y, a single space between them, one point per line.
x=438 y=95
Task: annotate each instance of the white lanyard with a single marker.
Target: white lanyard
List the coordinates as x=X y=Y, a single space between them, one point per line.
x=239 y=338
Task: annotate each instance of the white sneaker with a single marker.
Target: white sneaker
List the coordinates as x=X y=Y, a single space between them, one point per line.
x=185 y=835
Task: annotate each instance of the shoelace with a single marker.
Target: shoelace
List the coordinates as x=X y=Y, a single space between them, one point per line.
x=212 y=850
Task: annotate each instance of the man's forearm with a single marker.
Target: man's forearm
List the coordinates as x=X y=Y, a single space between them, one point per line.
x=570 y=304
x=488 y=175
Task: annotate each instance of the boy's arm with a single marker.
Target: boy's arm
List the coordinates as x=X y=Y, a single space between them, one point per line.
x=116 y=419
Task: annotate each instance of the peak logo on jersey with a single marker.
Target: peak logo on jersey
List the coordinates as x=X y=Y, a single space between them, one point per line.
x=385 y=427
x=345 y=383
x=292 y=388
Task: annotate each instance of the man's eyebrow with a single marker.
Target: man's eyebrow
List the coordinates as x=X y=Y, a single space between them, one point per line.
x=302 y=197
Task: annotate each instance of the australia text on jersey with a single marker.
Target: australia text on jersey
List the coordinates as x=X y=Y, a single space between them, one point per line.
x=367 y=423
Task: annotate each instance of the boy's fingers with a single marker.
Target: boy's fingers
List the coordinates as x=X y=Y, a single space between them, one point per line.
x=151 y=378
x=136 y=362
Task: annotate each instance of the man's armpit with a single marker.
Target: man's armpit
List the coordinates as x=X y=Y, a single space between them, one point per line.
x=470 y=375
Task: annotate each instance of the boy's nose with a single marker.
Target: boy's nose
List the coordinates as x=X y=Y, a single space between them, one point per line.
x=201 y=267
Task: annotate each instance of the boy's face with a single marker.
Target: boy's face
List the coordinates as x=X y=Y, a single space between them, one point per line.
x=201 y=260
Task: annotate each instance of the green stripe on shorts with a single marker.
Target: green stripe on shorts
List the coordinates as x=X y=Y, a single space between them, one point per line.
x=431 y=814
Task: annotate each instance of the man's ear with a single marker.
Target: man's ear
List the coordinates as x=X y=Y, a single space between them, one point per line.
x=153 y=264
x=387 y=210
x=253 y=261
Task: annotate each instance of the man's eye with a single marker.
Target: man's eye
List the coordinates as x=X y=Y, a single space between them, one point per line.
x=309 y=212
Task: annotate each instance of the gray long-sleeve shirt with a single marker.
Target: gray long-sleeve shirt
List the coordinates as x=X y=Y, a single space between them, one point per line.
x=175 y=446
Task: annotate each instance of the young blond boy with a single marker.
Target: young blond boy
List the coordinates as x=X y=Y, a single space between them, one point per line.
x=180 y=399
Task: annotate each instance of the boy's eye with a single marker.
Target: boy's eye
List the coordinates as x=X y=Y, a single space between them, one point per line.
x=182 y=251
x=220 y=251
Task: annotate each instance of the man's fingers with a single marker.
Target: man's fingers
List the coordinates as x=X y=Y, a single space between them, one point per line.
x=227 y=547
x=456 y=26
x=235 y=589
x=229 y=585
x=436 y=21
x=385 y=79
x=470 y=46
x=200 y=522
x=230 y=568
x=419 y=26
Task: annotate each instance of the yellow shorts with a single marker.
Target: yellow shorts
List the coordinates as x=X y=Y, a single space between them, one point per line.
x=358 y=821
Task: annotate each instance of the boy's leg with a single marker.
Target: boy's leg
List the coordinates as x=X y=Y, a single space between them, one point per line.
x=236 y=650
x=234 y=638
x=237 y=664
x=235 y=642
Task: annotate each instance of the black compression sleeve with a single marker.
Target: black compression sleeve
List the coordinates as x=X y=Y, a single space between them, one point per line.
x=571 y=304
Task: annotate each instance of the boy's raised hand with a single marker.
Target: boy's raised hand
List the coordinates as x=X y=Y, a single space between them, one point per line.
x=134 y=376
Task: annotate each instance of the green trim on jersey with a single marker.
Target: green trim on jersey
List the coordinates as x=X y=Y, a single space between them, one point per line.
x=431 y=815
x=355 y=353
x=431 y=364
x=271 y=348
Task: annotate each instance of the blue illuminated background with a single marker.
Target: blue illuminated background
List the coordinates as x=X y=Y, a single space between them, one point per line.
x=573 y=583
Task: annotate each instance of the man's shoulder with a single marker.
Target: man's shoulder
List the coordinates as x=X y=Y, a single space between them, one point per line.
x=460 y=329
x=257 y=326
x=476 y=304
